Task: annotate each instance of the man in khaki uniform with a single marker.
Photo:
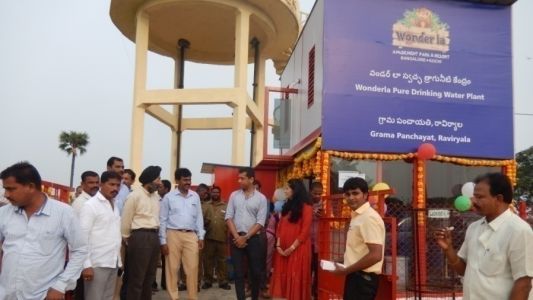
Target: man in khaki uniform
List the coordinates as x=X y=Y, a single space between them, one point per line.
x=216 y=249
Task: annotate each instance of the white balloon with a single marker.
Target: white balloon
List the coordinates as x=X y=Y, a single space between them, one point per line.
x=468 y=189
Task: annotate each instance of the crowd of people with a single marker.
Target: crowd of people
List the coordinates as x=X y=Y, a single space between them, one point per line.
x=117 y=236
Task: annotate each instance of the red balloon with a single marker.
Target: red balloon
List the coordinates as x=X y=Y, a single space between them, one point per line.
x=426 y=151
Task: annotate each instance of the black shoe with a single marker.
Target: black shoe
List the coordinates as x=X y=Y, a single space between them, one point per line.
x=182 y=287
x=206 y=285
x=225 y=286
x=154 y=287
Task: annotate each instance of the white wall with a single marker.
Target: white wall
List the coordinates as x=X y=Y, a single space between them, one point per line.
x=304 y=119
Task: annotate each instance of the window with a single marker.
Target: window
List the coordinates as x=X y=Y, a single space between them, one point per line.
x=397 y=174
x=311 y=78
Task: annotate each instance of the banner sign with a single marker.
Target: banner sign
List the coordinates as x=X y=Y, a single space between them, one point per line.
x=399 y=73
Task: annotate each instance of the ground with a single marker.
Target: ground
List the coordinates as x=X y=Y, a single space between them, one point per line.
x=213 y=293
x=209 y=294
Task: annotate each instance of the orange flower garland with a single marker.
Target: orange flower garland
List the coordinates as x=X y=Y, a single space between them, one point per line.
x=325 y=173
x=307 y=163
x=315 y=162
x=508 y=166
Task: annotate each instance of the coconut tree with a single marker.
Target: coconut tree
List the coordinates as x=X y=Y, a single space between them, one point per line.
x=74 y=143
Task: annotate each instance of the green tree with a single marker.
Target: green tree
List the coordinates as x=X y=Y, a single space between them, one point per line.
x=524 y=172
x=74 y=143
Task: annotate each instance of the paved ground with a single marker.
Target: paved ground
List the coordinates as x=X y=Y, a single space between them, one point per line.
x=213 y=293
x=209 y=294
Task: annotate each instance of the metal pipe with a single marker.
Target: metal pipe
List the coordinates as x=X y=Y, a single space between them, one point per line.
x=255 y=45
x=183 y=44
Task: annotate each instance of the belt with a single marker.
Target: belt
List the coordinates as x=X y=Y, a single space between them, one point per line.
x=182 y=230
x=156 y=230
x=244 y=233
x=372 y=274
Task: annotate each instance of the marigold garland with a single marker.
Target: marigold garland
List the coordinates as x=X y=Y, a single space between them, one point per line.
x=508 y=166
x=318 y=166
x=308 y=163
x=325 y=174
x=420 y=189
x=314 y=162
x=310 y=153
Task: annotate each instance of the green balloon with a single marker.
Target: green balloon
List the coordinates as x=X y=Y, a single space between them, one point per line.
x=462 y=203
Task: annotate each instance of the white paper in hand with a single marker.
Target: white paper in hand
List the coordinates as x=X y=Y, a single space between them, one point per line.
x=327 y=265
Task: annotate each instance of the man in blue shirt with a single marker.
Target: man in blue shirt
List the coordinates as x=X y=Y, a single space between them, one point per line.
x=35 y=231
x=181 y=234
x=245 y=216
x=116 y=164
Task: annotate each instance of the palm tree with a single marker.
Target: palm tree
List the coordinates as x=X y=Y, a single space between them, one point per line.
x=73 y=143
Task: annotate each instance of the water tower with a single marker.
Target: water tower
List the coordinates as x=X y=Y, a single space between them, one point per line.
x=221 y=32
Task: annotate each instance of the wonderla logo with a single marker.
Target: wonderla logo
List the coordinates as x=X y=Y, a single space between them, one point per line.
x=420 y=28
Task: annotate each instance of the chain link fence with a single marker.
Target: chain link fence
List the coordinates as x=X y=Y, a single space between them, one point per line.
x=411 y=254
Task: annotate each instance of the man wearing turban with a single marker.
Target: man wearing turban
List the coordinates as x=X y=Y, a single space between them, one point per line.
x=140 y=227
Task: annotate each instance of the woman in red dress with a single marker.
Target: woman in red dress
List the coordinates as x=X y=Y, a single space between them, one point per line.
x=291 y=278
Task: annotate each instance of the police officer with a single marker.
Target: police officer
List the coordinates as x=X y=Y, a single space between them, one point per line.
x=216 y=248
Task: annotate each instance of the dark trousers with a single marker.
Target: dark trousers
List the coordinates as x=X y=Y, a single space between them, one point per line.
x=142 y=255
x=255 y=259
x=314 y=271
x=79 y=291
x=361 y=286
x=215 y=253
x=124 y=275
x=263 y=284
x=163 y=276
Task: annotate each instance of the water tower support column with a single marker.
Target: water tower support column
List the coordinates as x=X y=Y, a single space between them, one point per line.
x=139 y=87
x=242 y=29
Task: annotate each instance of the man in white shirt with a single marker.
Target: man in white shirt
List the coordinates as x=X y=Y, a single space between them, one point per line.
x=100 y=222
x=128 y=178
x=35 y=231
x=116 y=164
x=90 y=183
x=496 y=257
